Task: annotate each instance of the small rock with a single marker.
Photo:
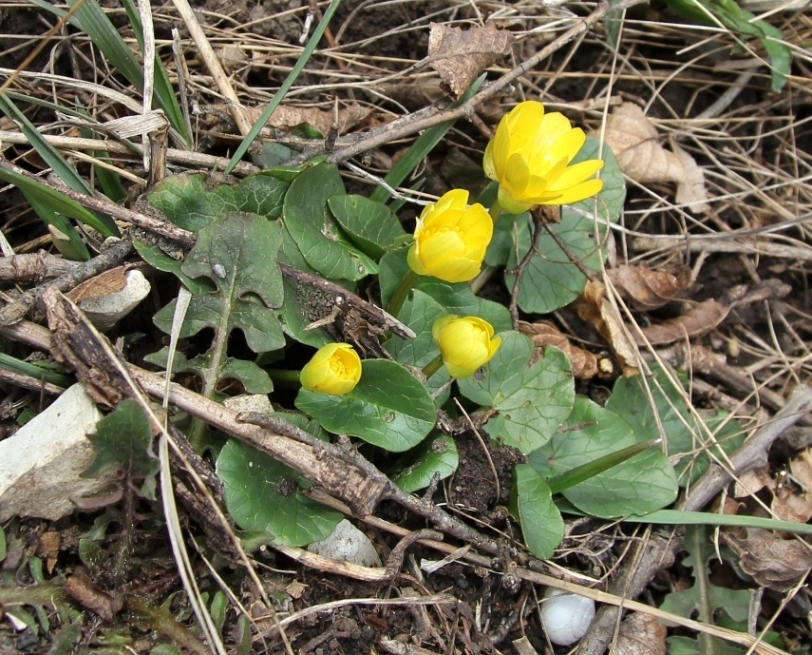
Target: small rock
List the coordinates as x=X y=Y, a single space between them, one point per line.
x=41 y=463
x=347 y=544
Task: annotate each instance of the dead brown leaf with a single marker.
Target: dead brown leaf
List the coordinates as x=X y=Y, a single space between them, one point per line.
x=793 y=501
x=634 y=140
x=595 y=309
x=696 y=322
x=286 y=117
x=104 y=284
x=461 y=56
x=647 y=289
x=772 y=561
x=585 y=365
x=641 y=634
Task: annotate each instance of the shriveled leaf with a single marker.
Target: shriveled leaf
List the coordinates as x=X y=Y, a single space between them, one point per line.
x=633 y=138
x=585 y=365
x=791 y=503
x=641 y=634
x=436 y=456
x=263 y=495
x=460 y=56
x=533 y=506
x=696 y=322
x=124 y=439
x=772 y=561
x=237 y=252
x=324 y=120
x=647 y=289
x=594 y=308
x=388 y=408
x=371 y=225
x=531 y=400
x=642 y=484
x=318 y=236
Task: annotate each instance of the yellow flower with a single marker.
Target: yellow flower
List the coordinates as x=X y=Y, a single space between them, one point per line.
x=529 y=156
x=451 y=238
x=334 y=369
x=465 y=343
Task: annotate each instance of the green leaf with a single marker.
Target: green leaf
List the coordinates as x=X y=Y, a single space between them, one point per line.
x=265 y=496
x=388 y=408
x=371 y=225
x=684 y=439
x=2 y=544
x=252 y=377
x=159 y=260
x=437 y=456
x=679 y=517
x=419 y=314
x=687 y=601
x=644 y=483
x=455 y=298
x=237 y=252
x=532 y=504
x=192 y=201
x=532 y=400
x=552 y=280
x=124 y=439
x=319 y=237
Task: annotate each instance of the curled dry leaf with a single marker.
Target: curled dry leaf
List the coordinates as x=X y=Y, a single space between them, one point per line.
x=460 y=56
x=110 y=296
x=792 y=497
x=593 y=308
x=696 y=322
x=633 y=138
x=772 y=561
x=286 y=117
x=647 y=289
x=641 y=634
x=585 y=365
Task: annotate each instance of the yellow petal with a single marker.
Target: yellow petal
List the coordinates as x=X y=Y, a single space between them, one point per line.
x=580 y=192
x=576 y=174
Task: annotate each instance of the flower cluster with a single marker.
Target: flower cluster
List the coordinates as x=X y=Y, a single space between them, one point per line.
x=530 y=157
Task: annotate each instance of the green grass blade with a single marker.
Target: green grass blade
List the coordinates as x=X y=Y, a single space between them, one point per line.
x=66 y=240
x=20 y=367
x=559 y=483
x=50 y=198
x=421 y=147
x=91 y=19
x=104 y=224
x=289 y=80
x=677 y=517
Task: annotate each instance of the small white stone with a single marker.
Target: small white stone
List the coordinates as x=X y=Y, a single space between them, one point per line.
x=347 y=544
x=41 y=463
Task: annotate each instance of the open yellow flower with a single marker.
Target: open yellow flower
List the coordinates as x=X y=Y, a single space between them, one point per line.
x=465 y=343
x=530 y=157
x=335 y=369
x=451 y=238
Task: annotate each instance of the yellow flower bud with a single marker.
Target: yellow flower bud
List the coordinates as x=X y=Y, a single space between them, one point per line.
x=451 y=238
x=530 y=157
x=334 y=369
x=465 y=343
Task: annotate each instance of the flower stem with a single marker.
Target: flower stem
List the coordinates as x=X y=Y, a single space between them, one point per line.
x=285 y=378
x=495 y=211
x=484 y=275
x=433 y=366
x=399 y=297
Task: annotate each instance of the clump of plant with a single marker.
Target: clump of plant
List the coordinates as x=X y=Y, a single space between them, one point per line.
x=440 y=346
